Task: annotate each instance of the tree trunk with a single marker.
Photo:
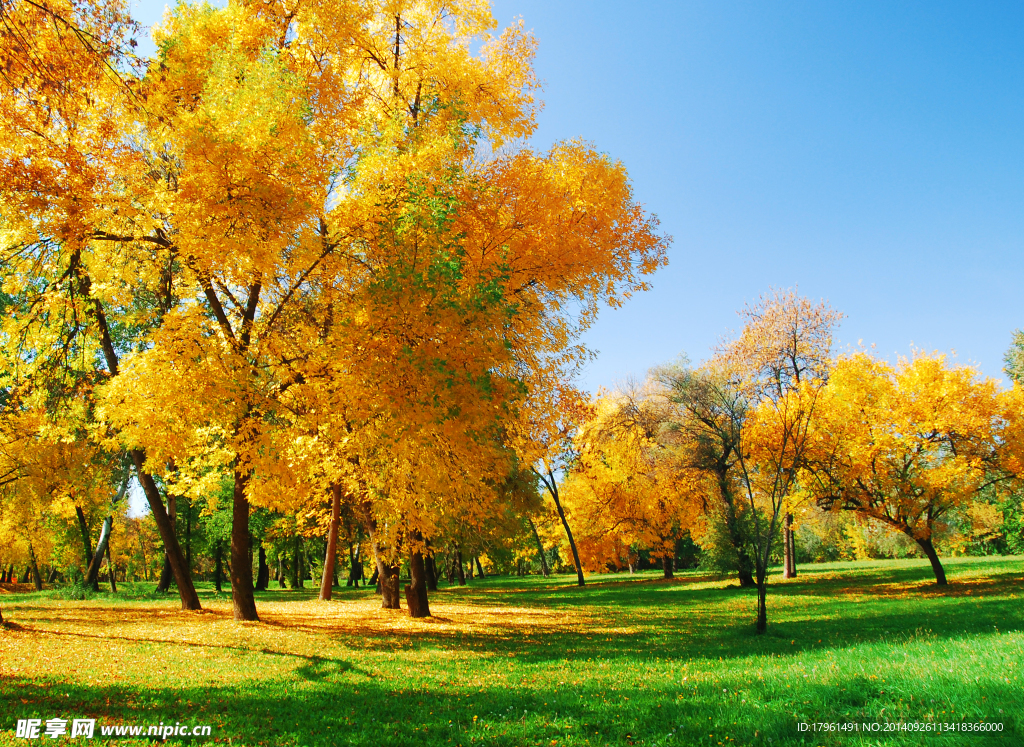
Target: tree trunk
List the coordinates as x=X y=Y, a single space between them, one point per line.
x=242 y=599
x=762 y=604
x=746 y=569
x=788 y=548
x=552 y=487
x=295 y=579
x=327 y=582
x=666 y=566
x=460 y=570
x=263 y=572
x=387 y=581
x=431 y=569
x=540 y=548
x=479 y=568
x=218 y=568
x=167 y=573
x=416 y=590
x=93 y=574
x=929 y=551
x=87 y=546
x=374 y=578
x=36 y=578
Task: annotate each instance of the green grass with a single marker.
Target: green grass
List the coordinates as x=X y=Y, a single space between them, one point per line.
x=510 y=661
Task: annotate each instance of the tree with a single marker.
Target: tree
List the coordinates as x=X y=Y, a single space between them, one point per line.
x=906 y=444
x=779 y=365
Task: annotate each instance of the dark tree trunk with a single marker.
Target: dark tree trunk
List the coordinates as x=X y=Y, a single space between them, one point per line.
x=263 y=572
x=540 y=548
x=762 y=604
x=218 y=568
x=552 y=487
x=296 y=579
x=387 y=581
x=471 y=575
x=51 y=577
x=666 y=566
x=416 y=590
x=431 y=569
x=746 y=569
x=111 y=571
x=93 y=574
x=459 y=568
x=355 y=566
x=242 y=599
x=26 y=575
x=87 y=546
x=167 y=573
x=327 y=582
x=929 y=550
x=374 y=579
x=788 y=548
x=479 y=568
x=36 y=578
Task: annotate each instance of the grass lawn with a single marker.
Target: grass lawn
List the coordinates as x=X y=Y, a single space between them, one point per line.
x=511 y=661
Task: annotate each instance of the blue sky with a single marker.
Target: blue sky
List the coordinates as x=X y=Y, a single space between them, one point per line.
x=869 y=153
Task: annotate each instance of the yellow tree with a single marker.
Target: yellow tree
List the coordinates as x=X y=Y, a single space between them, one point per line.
x=626 y=487
x=905 y=445
x=778 y=365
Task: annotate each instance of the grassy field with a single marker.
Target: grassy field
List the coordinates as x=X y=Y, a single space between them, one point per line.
x=511 y=661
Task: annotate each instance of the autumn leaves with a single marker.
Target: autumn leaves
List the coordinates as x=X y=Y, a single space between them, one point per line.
x=773 y=422
x=294 y=263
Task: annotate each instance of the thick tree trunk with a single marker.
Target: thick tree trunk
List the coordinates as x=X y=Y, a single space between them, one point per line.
x=540 y=548
x=479 y=568
x=460 y=571
x=93 y=574
x=416 y=590
x=218 y=568
x=387 y=582
x=327 y=582
x=36 y=578
x=242 y=599
x=746 y=570
x=263 y=571
x=666 y=566
x=167 y=572
x=929 y=550
x=788 y=548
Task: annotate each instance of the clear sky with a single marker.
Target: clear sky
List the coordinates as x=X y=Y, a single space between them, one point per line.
x=870 y=153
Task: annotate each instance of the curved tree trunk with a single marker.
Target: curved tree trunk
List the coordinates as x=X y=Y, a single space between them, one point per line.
x=479 y=568
x=87 y=546
x=540 y=548
x=929 y=550
x=93 y=574
x=242 y=599
x=327 y=582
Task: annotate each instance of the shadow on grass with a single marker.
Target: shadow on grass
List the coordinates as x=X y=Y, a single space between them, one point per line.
x=326 y=711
